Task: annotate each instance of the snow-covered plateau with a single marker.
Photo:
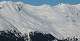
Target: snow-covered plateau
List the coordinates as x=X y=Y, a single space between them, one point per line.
x=61 y=21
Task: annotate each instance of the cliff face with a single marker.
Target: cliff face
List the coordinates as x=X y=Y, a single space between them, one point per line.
x=62 y=20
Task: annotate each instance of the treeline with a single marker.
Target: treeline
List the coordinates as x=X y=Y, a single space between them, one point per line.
x=10 y=35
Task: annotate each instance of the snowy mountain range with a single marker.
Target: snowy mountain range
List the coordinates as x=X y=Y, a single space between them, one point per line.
x=62 y=20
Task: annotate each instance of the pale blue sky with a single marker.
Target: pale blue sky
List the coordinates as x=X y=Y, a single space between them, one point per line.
x=50 y=2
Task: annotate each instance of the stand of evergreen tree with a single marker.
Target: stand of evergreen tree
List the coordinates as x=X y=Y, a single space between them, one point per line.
x=34 y=36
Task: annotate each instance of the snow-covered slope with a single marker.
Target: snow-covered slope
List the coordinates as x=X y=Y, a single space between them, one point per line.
x=62 y=20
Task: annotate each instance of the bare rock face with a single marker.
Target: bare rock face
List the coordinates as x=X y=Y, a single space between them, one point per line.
x=61 y=21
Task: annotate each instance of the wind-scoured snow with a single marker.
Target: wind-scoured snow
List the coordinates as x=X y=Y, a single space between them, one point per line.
x=62 y=20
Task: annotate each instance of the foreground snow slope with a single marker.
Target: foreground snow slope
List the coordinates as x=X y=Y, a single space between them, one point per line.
x=61 y=21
